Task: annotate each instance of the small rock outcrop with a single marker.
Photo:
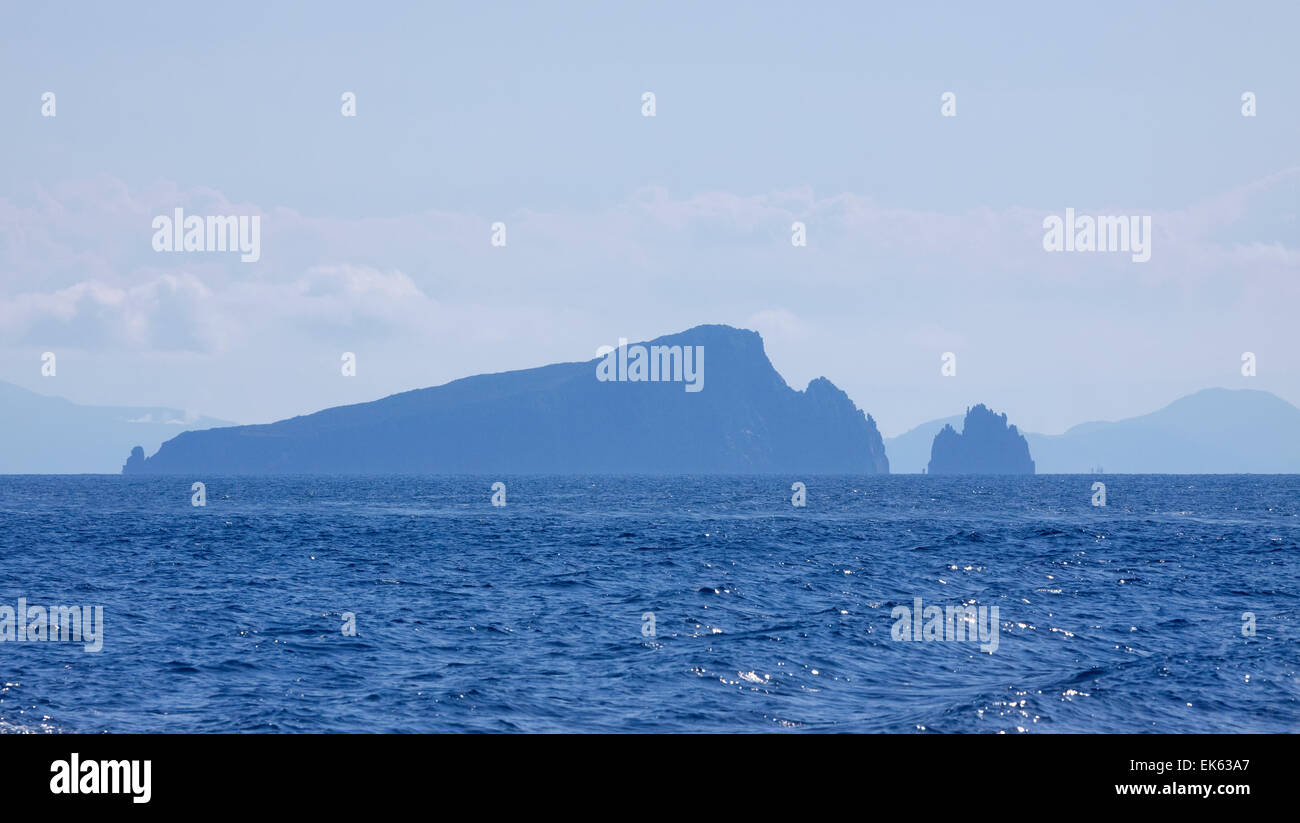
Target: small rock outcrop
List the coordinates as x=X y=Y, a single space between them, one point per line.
x=135 y=462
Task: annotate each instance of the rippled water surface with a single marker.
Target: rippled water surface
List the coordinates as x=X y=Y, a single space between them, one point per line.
x=766 y=617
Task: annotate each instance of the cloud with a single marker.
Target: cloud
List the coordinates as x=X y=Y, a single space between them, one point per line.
x=180 y=312
x=98 y=230
x=895 y=286
x=774 y=323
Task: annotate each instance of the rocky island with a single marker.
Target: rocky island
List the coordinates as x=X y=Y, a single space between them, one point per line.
x=986 y=445
x=640 y=409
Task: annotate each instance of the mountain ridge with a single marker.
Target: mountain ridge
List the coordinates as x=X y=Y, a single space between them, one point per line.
x=1211 y=431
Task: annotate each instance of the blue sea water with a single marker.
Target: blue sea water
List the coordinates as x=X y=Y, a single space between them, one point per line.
x=767 y=617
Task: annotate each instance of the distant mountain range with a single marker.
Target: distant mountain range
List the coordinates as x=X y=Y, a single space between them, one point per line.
x=632 y=411
x=1214 y=431
x=50 y=435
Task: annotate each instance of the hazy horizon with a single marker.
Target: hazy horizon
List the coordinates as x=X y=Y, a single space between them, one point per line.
x=887 y=434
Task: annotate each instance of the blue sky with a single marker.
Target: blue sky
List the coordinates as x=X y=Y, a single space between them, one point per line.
x=924 y=231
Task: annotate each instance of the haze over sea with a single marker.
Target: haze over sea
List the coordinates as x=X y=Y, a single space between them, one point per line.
x=1123 y=618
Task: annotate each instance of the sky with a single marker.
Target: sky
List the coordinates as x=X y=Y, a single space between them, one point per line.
x=924 y=231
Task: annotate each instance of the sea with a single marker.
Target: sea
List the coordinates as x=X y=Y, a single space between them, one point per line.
x=654 y=604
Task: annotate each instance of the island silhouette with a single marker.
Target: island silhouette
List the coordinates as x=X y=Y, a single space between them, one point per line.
x=985 y=445
x=731 y=407
x=615 y=414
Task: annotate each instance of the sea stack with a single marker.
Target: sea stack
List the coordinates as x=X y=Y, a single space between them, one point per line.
x=135 y=461
x=986 y=445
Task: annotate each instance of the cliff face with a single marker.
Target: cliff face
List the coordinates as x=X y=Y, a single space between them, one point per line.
x=733 y=415
x=986 y=445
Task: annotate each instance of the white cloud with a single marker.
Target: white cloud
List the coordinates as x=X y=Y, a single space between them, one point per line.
x=872 y=300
